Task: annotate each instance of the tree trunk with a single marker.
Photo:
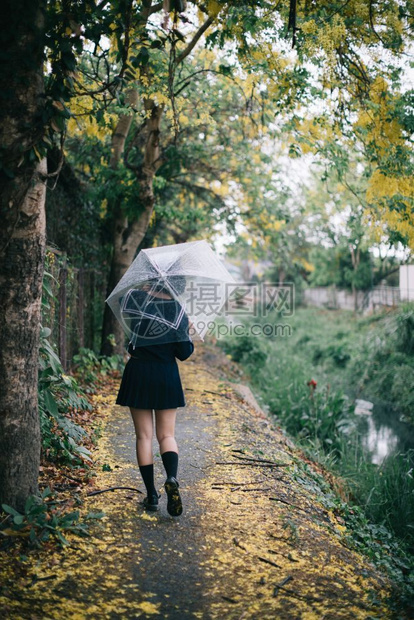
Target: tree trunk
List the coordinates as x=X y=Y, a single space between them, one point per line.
x=112 y=334
x=129 y=234
x=355 y=258
x=22 y=248
x=126 y=239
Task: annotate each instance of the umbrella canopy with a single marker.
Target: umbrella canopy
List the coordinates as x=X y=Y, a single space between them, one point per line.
x=171 y=292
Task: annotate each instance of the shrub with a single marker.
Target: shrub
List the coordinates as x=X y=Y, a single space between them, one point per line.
x=308 y=413
x=58 y=395
x=404 y=326
x=88 y=365
x=44 y=518
x=247 y=350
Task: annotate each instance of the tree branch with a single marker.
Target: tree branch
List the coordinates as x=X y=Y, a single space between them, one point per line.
x=113 y=489
x=199 y=189
x=292 y=20
x=338 y=10
x=154 y=9
x=194 y=40
x=131 y=145
x=371 y=21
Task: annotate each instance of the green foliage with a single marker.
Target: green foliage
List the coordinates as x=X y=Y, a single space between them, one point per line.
x=59 y=395
x=198 y=170
x=88 y=366
x=304 y=409
x=385 y=367
x=45 y=518
x=385 y=491
x=367 y=533
x=67 y=31
x=309 y=414
x=247 y=350
x=338 y=353
x=404 y=329
x=333 y=265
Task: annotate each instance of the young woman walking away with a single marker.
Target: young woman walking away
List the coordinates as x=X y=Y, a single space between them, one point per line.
x=151 y=381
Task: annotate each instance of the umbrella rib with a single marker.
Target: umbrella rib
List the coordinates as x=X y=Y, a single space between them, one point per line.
x=153 y=263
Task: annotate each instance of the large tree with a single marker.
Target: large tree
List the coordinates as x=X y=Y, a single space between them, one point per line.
x=22 y=245
x=39 y=44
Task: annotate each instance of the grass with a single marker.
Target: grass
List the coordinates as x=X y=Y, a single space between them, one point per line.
x=309 y=382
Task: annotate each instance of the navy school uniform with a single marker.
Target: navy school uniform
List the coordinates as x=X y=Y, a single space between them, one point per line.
x=151 y=378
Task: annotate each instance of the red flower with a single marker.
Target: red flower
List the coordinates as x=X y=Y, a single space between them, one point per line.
x=312 y=383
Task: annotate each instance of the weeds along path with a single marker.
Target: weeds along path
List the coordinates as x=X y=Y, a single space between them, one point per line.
x=255 y=539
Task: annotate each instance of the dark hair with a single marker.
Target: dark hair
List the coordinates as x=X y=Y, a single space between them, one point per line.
x=178 y=283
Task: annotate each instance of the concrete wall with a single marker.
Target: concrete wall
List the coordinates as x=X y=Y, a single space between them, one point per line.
x=407 y=282
x=367 y=301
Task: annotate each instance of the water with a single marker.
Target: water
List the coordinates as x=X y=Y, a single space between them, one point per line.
x=382 y=432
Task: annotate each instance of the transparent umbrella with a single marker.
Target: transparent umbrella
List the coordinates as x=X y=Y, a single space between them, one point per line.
x=170 y=293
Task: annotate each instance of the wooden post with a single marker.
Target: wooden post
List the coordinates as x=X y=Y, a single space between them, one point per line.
x=92 y=309
x=81 y=307
x=63 y=274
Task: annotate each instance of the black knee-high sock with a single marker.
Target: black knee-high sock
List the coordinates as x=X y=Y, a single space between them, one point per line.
x=170 y=460
x=147 y=473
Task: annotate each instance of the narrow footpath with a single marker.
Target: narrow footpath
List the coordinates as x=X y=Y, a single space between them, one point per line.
x=256 y=539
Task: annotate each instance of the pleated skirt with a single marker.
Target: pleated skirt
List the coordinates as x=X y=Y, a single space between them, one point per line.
x=151 y=385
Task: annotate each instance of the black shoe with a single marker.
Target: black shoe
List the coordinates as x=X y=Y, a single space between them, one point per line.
x=174 y=505
x=151 y=502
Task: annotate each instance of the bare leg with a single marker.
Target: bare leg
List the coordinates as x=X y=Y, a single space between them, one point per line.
x=144 y=431
x=165 y=429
